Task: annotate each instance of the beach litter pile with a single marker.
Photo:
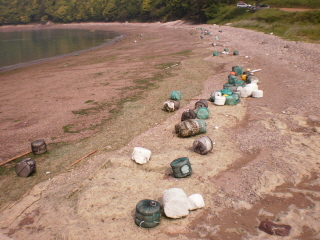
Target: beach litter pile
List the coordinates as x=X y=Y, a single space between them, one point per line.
x=240 y=85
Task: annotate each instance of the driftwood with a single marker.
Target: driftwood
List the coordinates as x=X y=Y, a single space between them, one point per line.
x=15 y=158
x=83 y=157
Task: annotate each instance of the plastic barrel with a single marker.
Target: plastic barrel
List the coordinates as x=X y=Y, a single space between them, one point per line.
x=212 y=95
x=202 y=125
x=231 y=100
x=203 y=145
x=26 y=167
x=227 y=86
x=215 y=53
x=237 y=97
x=201 y=103
x=38 y=147
x=226 y=91
x=147 y=213
x=190 y=127
x=238 y=70
x=203 y=113
x=175 y=95
x=188 y=114
x=181 y=167
x=232 y=79
x=240 y=83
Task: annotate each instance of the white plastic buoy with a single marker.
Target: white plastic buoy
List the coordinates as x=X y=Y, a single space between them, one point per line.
x=141 y=155
x=218 y=99
x=176 y=203
x=196 y=201
x=257 y=93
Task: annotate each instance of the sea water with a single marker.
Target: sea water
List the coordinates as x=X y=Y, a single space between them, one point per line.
x=23 y=47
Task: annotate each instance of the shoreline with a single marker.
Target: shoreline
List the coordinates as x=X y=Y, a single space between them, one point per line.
x=25 y=64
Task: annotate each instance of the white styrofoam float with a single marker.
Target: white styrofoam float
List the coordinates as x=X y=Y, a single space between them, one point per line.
x=141 y=155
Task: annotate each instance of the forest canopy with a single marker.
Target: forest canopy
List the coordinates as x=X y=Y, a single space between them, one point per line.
x=64 y=11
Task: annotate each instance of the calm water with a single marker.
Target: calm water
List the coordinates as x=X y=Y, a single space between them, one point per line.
x=27 y=46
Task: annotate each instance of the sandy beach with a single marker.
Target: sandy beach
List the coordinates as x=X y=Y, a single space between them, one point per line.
x=264 y=164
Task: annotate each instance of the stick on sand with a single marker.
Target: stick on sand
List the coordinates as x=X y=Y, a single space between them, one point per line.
x=15 y=158
x=83 y=157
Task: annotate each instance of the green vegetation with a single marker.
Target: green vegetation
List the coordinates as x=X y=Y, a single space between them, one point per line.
x=291 y=25
x=293 y=3
x=67 y=128
x=27 y=11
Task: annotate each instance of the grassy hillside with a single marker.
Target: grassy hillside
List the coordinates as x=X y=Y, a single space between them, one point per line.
x=290 y=25
x=293 y=3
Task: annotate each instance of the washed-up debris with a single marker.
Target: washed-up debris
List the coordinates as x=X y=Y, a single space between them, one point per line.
x=147 y=213
x=235 y=52
x=275 y=229
x=196 y=201
x=190 y=127
x=201 y=103
x=203 y=113
x=257 y=93
x=219 y=99
x=171 y=106
x=181 y=167
x=175 y=95
x=84 y=157
x=26 y=167
x=188 y=114
x=176 y=203
x=203 y=145
x=38 y=147
x=141 y=155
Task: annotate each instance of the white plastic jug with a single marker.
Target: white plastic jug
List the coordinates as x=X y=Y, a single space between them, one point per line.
x=218 y=99
x=257 y=94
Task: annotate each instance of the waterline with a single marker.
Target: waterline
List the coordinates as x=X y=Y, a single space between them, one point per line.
x=23 y=48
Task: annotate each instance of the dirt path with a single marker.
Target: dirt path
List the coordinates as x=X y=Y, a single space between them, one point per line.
x=295 y=9
x=265 y=162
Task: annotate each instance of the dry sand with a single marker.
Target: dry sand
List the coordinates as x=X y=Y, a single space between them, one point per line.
x=265 y=161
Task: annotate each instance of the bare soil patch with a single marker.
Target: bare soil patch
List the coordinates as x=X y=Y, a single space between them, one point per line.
x=265 y=162
x=296 y=9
